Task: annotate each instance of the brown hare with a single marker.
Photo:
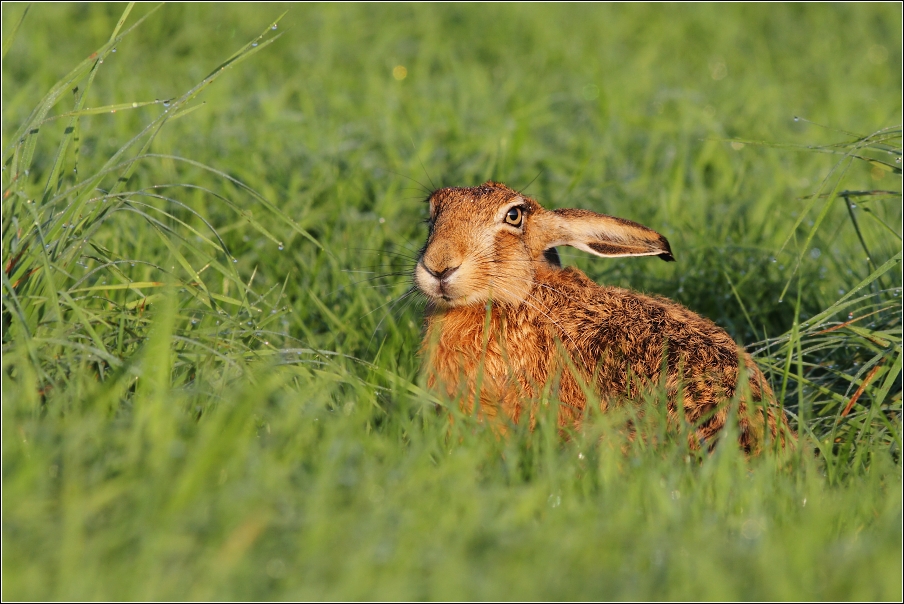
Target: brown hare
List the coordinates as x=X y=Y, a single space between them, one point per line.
x=504 y=317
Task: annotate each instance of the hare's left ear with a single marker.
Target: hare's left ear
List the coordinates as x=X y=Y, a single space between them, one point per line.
x=601 y=235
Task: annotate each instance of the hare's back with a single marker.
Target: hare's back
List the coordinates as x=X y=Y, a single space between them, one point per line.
x=636 y=326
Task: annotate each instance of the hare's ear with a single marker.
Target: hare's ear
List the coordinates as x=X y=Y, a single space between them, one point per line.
x=602 y=235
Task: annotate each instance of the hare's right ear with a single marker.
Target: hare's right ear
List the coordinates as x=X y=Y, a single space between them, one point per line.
x=601 y=235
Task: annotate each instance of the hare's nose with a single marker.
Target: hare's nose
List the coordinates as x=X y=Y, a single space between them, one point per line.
x=443 y=274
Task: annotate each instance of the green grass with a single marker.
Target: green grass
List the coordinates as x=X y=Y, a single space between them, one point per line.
x=211 y=387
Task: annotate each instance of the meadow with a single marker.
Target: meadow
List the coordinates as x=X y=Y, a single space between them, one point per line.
x=211 y=387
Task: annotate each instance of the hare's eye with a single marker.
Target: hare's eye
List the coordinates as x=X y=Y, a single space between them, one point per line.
x=514 y=216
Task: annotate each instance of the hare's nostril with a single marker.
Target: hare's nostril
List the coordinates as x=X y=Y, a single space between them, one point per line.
x=442 y=274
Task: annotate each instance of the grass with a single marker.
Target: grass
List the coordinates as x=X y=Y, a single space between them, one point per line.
x=211 y=387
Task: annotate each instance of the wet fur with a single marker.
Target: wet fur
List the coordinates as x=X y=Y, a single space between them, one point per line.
x=547 y=323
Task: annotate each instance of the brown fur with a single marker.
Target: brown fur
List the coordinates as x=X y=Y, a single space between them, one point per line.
x=547 y=324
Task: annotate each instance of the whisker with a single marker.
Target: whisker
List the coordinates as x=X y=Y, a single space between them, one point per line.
x=527 y=186
x=409 y=274
x=412 y=290
x=417 y=182
x=399 y=254
x=422 y=164
x=370 y=269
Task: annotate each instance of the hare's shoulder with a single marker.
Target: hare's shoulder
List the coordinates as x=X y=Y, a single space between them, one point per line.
x=570 y=287
x=592 y=307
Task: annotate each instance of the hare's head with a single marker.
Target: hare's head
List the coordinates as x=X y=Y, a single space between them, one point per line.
x=487 y=243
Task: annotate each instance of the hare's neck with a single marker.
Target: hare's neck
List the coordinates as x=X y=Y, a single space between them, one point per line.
x=466 y=320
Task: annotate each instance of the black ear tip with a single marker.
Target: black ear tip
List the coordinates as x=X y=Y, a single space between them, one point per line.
x=667 y=254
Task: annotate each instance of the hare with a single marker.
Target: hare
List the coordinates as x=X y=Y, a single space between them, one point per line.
x=503 y=317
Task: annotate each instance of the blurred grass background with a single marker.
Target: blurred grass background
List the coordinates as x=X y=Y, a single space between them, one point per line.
x=210 y=390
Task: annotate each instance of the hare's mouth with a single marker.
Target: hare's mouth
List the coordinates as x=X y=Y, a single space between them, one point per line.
x=437 y=284
x=439 y=290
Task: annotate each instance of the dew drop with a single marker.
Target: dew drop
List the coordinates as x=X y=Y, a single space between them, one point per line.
x=796 y=119
x=280 y=247
x=273 y=26
x=850 y=316
x=235 y=260
x=194 y=321
x=114 y=50
x=254 y=44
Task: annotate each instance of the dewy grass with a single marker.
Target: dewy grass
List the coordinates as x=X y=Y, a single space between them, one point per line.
x=57 y=266
x=203 y=398
x=848 y=371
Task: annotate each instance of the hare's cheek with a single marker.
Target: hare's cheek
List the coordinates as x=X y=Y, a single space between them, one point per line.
x=425 y=282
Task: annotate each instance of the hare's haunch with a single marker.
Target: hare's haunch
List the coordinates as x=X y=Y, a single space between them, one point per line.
x=490 y=244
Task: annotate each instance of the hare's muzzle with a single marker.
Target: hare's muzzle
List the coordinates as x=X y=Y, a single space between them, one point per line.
x=436 y=283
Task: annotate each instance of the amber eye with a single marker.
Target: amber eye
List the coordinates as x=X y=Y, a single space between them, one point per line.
x=514 y=216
